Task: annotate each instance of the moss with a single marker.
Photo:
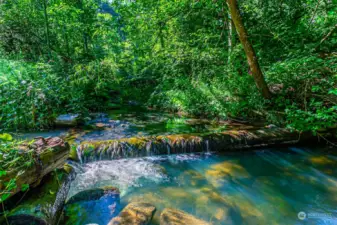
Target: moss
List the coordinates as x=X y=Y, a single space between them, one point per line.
x=224 y=141
x=73 y=153
x=137 y=142
x=36 y=199
x=67 y=168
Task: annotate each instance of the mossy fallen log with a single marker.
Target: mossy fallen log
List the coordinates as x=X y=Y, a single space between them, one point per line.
x=41 y=205
x=46 y=156
x=186 y=143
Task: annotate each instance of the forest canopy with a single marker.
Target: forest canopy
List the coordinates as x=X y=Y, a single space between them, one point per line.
x=246 y=59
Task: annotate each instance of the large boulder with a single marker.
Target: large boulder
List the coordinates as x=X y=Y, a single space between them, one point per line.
x=94 y=206
x=137 y=213
x=171 y=216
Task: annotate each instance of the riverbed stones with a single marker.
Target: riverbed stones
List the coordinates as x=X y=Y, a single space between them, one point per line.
x=135 y=213
x=171 y=216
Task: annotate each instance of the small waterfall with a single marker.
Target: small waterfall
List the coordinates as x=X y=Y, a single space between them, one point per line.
x=139 y=147
x=174 y=144
x=61 y=198
x=52 y=212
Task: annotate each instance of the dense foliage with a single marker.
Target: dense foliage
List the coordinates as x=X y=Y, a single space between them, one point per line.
x=87 y=55
x=12 y=160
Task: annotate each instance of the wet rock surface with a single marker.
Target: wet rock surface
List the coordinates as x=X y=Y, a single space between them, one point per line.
x=94 y=206
x=92 y=194
x=171 y=216
x=93 y=150
x=137 y=213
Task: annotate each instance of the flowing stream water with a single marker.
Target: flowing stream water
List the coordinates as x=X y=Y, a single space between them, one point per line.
x=269 y=186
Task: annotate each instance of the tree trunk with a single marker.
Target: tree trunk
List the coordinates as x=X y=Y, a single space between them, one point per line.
x=46 y=24
x=250 y=53
x=85 y=34
x=230 y=39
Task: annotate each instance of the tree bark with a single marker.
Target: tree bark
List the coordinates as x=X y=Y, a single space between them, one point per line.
x=51 y=153
x=230 y=39
x=249 y=50
x=46 y=24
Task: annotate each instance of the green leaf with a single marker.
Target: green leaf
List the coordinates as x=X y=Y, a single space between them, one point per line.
x=6 y=137
x=2 y=173
x=4 y=197
x=25 y=187
x=334 y=92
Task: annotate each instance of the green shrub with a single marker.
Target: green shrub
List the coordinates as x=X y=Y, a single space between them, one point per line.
x=30 y=94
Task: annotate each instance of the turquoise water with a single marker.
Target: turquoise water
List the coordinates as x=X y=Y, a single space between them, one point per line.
x=269 y=186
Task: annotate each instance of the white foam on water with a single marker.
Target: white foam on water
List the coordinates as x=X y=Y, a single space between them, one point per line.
x=123 y=174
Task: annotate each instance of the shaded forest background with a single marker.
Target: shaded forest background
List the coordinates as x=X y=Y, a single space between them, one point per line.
x=80 y=56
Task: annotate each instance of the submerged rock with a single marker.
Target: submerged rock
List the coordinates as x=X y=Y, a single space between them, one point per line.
x=67 y=120
x=171 y=216
x=137 y=213
x=92 y=194
x=94 y=206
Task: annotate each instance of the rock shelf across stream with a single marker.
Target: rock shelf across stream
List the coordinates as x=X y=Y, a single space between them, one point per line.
x=89 y=151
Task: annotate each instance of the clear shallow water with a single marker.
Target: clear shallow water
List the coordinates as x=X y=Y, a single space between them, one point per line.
x=138 y=123
x=130 y=122
x=261 y=187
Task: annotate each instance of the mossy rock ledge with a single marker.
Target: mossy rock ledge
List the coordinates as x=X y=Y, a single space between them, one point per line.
x=187 y=143
x=48 y=154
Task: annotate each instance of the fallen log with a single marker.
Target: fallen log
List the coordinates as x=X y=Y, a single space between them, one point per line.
x=187 y=143
x=41 y=205
x=47 y=155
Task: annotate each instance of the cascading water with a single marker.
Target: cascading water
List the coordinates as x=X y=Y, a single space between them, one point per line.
x=140 y=147
x=89 y=151
x=61 y=198
x=122 y=174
